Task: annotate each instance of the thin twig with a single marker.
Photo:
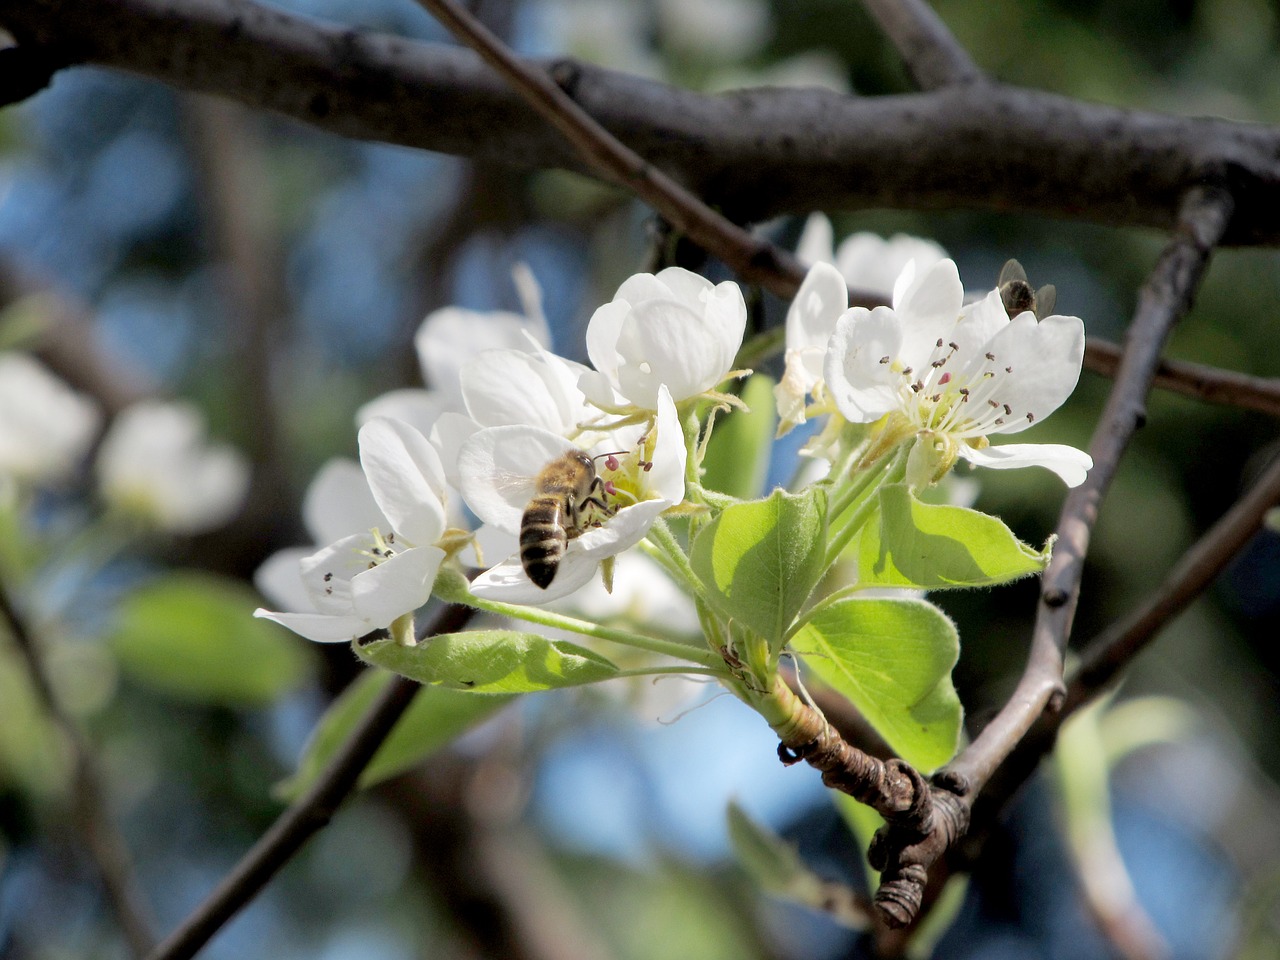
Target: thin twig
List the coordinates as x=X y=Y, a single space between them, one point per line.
x=928 y=50
x=105 y=844
x=752 y=258
x=306 y=816
x=1116 y=646
x=1166 y=296
x=1210 y=384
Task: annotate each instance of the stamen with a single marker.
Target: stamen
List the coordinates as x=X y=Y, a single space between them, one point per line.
x=944 y=379
x=991 y=357
x=328 y=577
x=1007 y=409
x=1031 y=417
x=884 y=359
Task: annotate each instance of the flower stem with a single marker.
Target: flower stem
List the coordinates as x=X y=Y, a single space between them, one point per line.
x=557 y=621
x=863 y=493
x=676 y=560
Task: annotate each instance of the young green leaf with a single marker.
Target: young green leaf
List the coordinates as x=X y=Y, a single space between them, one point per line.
x=491 y=661
x=193 y=635
x=937 y=546
x=436 y=717
x=737 y=460
x=893 y=660
x=760 y=560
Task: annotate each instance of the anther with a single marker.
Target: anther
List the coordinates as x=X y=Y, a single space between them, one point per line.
x=1008 y=410
x=907 y=372
x=1008 y=369
x=936 y=397
x=964 y=392
x=953 y=345
x=999 y=420
x=991 y=356
x=993 y=405
x=884 y=359
x=328 y=577
x=944 y=379
x=939 y=343
x=917 y=387
x=1031 y=417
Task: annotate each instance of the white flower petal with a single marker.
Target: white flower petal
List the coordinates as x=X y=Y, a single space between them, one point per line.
x=929 y=308
x=416 y=407
x=279 y=579
x=864 y=388
x=602 y=335
x=45 y=426
x=665 y=480
x=508 y=583
x=451 y=336
x=318 y=626
x=406 y=478
x=497 y=467
x=339 y=503
x=1039 y=363
x=819 y=302
x=396 y=586
x=451 y=431
x=816 y=241
x=624 y=530
x=665 y=342
x=1067 y=462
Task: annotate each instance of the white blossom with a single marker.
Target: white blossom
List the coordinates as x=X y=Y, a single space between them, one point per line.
x=367 y=580
x=45 y=426
x=156 y=463
x=499 y=468
x=867 y=261
x=951 y=377
x=673 y=329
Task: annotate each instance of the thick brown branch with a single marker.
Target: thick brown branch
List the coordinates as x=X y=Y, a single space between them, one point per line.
x=748 y=256
x=928 y=50
x=753 y=154
x=306 y=816
x=92 y=819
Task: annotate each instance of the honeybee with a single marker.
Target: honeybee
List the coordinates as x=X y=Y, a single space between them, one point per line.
x=1018 y=296
x=569 y=498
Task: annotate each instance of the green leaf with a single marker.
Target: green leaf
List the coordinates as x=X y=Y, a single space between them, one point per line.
x=937 y=546
x=760 y=560
x=737 y=459
x=893 y=660
x=436 y=717
x=491 y=661
x=194 y=635
x=775 y=865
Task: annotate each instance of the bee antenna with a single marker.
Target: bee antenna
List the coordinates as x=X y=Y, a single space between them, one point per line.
x=615 y=453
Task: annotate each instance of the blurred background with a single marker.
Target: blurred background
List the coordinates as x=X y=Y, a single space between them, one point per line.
x=157 y=244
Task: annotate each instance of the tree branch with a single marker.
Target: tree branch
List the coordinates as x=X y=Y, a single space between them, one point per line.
x=1163 y=300
x=105 y=844
x=753 y=154
x=306 y=816
x=1166 y=296
x=753 y=259
x=928 y=50
x=1116 y=646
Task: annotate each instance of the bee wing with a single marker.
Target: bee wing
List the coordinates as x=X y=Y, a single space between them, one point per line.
x=1012 y=270
x=1046 y=299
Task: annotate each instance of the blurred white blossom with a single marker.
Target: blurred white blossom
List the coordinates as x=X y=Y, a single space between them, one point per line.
x=45 y=426
x=867 y=261
x=157 y=464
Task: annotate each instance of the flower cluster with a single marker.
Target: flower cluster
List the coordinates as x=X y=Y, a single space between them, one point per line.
x=495 y=431
x=565 y=466
x=932 y=370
